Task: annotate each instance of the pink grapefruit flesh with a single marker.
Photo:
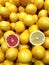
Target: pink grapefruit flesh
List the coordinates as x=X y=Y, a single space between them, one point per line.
x=12 y=40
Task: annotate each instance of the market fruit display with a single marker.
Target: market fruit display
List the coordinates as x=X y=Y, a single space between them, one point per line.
x=24 y=32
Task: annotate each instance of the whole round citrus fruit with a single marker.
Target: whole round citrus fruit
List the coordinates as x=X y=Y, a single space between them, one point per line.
x=18 y=16
x=39 y=3
x=42 y=13
x=33 y=28
x=39 y=63
x=43 y=25
x=2 y=57
x=11 y=54
x=24 y=37
x=25 y=55
x=23 y=47
x=12 y=8
x=4 y=12
x=13 y=17
x=18 y=27
x=31 y=9
x=35 y=17
x=8 y=33
x=28 y=20
x=46 y=5
x=8 y=62
x=46 y=58
x=5 y=25
x=13 y=26
x=4 y=47
x=22 y=15
x=7 y=4
x=46 y=33
x=2 y=40
x=46 y=43
x=38 y=52
x=21 y=9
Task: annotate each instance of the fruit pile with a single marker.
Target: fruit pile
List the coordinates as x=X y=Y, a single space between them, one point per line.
x=18 y=20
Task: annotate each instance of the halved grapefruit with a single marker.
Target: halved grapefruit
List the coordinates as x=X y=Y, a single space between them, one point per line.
x=37 y=38
x=12 y=40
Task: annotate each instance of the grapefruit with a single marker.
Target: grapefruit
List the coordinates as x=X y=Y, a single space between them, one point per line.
x=11 y=54
x=46 y=32
x=39 y=3
x=46 y=5
x=8 y=62
x=4 y=12
x=2 y=57
x=22 y=15
x=12 y=8
x=39 y=63
x=33 y=28
x=37 y=38
x=5 y=25
x=42 y=13
x=35 y=17
x=13 y=26
x=19 y=28
x=2 y=40
x=24 y=55
x=8 y=33
x=24 y=37
x=12 y=40
x=4 y=47
x=46 y=58
x=31 y=9
x=23 y=47
x=43 y=25
x=13 y=17
x=38 y=52
x=28 y=20
x=46 y=43
x=21 y=9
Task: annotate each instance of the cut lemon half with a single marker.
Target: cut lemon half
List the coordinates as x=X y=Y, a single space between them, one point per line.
x=37 y=38
x=12 y=40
